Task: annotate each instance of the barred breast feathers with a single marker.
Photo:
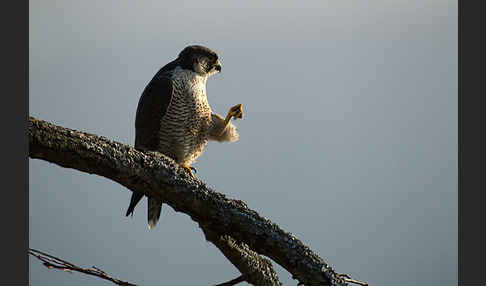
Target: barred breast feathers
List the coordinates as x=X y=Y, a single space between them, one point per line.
x=185 y=126
x=216 y=122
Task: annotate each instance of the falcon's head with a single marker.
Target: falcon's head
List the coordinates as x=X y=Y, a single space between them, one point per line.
x=200 y=60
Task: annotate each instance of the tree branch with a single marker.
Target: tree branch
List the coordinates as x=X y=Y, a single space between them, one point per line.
x=256 y=270
x=233 y=282
x=156 y=175
x=52 y=262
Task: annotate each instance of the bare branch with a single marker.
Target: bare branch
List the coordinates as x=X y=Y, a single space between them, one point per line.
x=158 y=176
x=233 y=282
x=347 y=278
x=356 y=282
x=52 y=262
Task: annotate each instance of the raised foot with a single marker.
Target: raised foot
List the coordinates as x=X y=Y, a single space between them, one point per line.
x=236 y=111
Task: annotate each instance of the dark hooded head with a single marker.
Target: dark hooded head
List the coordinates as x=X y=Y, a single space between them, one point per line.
x=199 y=59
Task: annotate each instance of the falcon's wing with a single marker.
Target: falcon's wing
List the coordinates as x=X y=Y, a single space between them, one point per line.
x=152 y=106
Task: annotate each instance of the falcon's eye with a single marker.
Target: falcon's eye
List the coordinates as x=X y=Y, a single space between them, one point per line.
x=203 y=60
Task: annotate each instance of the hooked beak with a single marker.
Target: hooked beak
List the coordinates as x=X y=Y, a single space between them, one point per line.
x=217 y=66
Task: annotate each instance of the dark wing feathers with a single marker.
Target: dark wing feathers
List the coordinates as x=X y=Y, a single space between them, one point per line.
x=152 y=106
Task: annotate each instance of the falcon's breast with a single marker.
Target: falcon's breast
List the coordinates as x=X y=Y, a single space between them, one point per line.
x=184 y=128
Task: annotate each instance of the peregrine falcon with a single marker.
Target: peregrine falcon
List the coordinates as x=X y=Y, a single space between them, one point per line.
x=174 y=117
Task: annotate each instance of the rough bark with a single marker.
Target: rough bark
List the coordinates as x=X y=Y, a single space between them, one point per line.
x=255 y=269
x=239 y=232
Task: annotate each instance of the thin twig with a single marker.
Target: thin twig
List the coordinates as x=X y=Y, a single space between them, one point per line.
x=52 y=262
x=356 y=282
x=233 y=282
x=348 y=279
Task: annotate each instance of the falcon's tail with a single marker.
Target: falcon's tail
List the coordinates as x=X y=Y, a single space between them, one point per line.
x=136 y=197
x=154 y=209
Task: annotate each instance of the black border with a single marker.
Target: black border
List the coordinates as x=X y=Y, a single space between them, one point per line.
x=15 y=72
x=471 y=141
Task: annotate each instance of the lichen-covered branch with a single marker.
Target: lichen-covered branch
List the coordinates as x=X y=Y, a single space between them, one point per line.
x=156 y=175
x=256 y=269
x=54 y=146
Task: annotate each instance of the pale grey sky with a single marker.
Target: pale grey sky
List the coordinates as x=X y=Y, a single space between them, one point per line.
x=349 y=139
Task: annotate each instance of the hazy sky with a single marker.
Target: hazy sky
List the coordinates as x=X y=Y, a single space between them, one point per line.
x=349 y=139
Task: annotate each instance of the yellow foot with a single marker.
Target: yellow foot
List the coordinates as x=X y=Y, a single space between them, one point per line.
x=189 y=169
x=236 y=111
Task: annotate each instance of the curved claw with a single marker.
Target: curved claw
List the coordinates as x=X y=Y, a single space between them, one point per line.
x=236 y=111
x=189 y=170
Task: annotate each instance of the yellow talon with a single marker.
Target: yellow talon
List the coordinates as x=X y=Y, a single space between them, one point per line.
x=234 y=112
x=237 y=111
x=189 y=170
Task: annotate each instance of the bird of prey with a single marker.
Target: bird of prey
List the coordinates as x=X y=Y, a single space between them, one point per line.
x=174 y=117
